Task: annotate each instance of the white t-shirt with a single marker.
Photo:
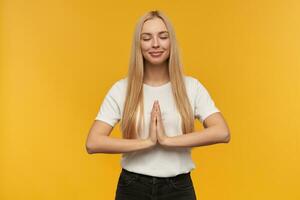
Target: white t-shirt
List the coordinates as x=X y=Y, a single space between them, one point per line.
x=158 y=161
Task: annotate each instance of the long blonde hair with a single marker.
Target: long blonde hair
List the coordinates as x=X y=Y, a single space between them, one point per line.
x=134 y=102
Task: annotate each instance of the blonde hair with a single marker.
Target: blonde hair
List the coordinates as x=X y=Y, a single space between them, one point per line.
x=134 y=102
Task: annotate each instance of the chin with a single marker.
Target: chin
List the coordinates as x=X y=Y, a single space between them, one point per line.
x=158 y=61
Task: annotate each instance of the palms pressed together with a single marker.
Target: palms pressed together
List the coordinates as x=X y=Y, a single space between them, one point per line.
x=157 y=130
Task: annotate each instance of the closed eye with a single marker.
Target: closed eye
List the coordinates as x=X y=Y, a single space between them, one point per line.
x=146 y=39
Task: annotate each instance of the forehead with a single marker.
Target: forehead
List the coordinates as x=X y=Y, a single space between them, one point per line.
x=155 y=25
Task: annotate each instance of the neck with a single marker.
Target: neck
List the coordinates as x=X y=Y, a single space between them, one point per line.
x=156 y=74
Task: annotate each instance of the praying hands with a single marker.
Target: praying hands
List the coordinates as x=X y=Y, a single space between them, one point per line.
x=157 y=131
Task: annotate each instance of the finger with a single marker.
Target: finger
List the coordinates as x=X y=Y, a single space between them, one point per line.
x=158 y=106
x=158 y=110
x=158 y=116
x=153 y=121
x=154 y=106
x=153 y=115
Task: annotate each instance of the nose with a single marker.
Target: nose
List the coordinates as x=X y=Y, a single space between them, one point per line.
x=155 y=42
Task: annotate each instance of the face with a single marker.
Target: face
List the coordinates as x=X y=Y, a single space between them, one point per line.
x=155 y=42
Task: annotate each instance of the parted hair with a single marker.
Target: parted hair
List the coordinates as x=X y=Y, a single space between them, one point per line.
x=132 y=120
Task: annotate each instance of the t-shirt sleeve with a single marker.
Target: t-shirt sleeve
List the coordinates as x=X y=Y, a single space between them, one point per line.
x=204 y=104
x=109 y=110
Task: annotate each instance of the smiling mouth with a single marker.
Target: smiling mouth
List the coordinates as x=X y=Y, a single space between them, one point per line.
x=156 y=54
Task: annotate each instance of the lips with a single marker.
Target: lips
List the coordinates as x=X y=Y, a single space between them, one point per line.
x=156 y=52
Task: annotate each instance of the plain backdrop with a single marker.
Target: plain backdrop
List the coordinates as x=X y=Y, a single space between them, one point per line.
x=59 y=58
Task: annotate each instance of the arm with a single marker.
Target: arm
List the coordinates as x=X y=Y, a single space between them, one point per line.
x=99 y=141
x=216 y=131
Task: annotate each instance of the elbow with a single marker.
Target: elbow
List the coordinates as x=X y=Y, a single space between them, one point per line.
x=89 y=148
x=227 y=137
x=94 y=145
x=225 y=134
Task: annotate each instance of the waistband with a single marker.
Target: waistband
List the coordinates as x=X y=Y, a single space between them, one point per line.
x=154 y=179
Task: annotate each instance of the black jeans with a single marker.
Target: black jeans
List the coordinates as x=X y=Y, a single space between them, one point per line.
x=134 y=186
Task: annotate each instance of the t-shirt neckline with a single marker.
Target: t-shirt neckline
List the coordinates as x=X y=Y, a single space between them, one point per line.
x=157 y=87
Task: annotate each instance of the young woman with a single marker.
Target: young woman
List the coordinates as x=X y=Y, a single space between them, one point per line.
x=156 y=104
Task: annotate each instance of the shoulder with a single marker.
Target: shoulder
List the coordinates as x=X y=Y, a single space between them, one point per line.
x=196 y=87
x=192 y=83
x=120 y=84
x=118 y=88
x=189 y=79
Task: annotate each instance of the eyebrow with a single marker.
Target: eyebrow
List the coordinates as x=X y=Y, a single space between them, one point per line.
x=145 y=33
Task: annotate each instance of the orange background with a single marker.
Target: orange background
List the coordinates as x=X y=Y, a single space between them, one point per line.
x=59 y=58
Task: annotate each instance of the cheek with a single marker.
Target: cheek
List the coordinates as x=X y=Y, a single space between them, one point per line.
x=145 y=46
x=165 y=44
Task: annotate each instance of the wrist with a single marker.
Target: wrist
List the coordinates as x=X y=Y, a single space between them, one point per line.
x=148 y=142
x=164 y=140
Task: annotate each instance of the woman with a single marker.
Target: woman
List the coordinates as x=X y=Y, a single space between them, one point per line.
x=157 y=106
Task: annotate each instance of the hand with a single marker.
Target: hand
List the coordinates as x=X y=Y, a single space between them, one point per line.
x=161 y=134
x=152 y=130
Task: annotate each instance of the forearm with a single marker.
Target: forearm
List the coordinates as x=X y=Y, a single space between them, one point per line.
x=208 y=136
x=108 y=144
